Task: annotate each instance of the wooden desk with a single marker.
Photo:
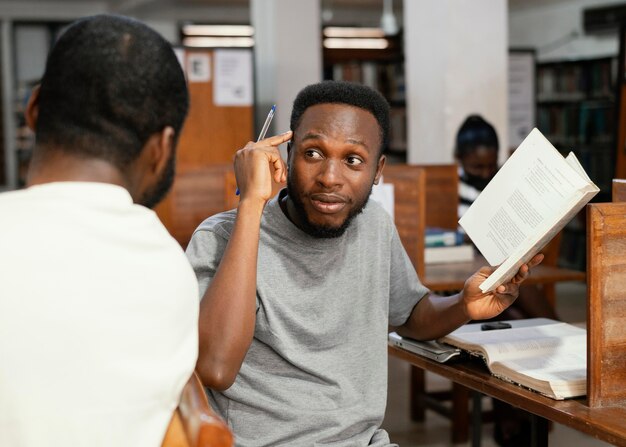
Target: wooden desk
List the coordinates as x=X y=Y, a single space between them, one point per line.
x=440 y=277
x=605 y=423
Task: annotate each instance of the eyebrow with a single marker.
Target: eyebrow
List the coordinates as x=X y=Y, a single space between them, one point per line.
x=317 y=136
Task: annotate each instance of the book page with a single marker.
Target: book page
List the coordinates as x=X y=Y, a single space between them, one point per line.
x=559 y=368
x=549 y=357
x=560 y=375
x=534 y=186
x=521 y=342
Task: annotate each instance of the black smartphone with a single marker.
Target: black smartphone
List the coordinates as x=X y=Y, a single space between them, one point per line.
x=494 y=325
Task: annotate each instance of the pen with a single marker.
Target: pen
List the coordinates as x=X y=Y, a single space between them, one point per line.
x=266 y=125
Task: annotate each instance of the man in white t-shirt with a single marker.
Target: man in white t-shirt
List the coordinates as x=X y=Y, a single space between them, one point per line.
x=98 y=305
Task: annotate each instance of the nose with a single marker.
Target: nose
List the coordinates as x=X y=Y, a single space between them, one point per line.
x=330 y=175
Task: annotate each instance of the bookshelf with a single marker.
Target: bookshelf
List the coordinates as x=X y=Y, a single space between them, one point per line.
x=383 y=70
x=576 y=105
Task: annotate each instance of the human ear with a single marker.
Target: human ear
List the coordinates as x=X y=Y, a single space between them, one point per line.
x=32 y=108
x=163 y=149
x=379 y=168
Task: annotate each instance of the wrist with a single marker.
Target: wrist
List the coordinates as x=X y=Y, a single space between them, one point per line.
x=251 y=207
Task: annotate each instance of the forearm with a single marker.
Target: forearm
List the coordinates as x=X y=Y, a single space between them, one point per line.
x=435 y=316
x=228 y=307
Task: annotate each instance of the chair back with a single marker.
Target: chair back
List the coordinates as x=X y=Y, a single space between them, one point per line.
x=618 y=193
x=409 y=186
x=195 y=423
x=442 y=195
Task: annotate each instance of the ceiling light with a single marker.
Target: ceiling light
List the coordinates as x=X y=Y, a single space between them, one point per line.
x=218 y=30
x=345 y=31
x=217 y=42
x=369 y=44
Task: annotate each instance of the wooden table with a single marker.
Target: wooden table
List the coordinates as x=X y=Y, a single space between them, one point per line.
x=607 y=424
x=452 y=276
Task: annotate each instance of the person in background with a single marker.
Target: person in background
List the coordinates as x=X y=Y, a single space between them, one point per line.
x=299 y=290
x=98 y=304
x=477 y=154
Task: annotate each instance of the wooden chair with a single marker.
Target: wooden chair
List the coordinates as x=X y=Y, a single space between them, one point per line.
x=194 y=423
x=618 y=190
x=409 y=186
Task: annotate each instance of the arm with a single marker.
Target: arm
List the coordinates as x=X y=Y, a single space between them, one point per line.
x=435 y=316
x=228 y=307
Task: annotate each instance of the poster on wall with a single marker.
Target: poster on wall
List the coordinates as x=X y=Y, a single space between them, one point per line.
x=232 y=85
x=521 y=95
x=198 y=67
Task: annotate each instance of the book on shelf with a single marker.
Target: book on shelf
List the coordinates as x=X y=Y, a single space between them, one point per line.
x=544 y=355
x=531 y=198
x=442 y=245
x=440 y=237
x=448 y=254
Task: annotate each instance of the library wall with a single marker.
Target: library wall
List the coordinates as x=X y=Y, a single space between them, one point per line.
x=456 y=64
x=555 y=30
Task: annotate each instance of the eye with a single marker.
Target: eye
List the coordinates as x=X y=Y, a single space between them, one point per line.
x=312 y=153
x=354 y=160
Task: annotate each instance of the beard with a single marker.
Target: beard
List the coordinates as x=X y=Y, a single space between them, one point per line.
x=156 y=193
x=322 y=231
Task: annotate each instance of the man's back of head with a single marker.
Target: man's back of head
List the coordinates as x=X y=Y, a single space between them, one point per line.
x=100 y=302
x=110 y=83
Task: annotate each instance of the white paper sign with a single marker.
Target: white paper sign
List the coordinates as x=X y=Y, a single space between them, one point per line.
x=383 y=194
x=233 y=78
x=521 y=96
x=198 y=67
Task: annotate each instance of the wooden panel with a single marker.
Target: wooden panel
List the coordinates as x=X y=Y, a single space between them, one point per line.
x=231 y=199
x=618 y=193
x=197 y=193
x=606 y=300
x=442 y=195
x=409 y=184
x=212 y=134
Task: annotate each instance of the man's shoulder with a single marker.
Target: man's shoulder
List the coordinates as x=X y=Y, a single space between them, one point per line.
x=221 y=223
x=375 y=215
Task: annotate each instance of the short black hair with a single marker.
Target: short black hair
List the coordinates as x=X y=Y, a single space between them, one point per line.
x=474 y=132
x=110 y=83
x=341 y=92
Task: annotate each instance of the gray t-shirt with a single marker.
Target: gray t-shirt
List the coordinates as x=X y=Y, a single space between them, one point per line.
x=316 y=371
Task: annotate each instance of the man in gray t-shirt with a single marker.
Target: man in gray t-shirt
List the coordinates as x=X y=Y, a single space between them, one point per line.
x=298 y=291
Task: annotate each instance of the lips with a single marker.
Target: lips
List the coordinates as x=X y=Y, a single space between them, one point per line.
x=328 y=203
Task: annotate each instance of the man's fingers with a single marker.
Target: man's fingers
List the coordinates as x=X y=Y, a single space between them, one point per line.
x=280 y=170
x=536 y=260
x=276 y=139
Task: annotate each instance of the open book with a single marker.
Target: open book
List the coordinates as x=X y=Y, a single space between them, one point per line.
x=530 y=199
x=538 y=353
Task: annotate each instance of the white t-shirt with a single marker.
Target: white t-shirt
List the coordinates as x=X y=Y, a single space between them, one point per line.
x=98 y=318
